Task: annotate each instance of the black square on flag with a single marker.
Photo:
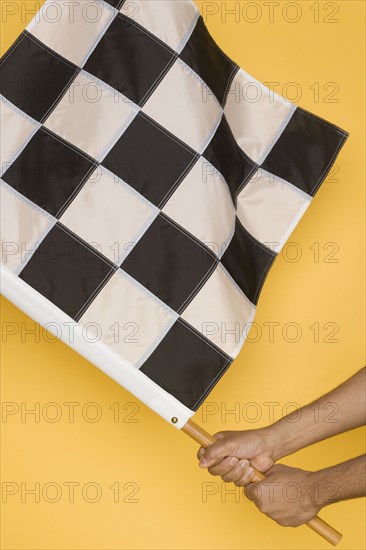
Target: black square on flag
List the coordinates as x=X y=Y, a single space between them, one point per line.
x=171 y=264
x=226 y=156
x=204 y=56
x=66 y=271
x=297 y=159
x=150 y=159
x=186 y=365
x=248 y=261
x=129 y=59
x=48 y=171
x=33 y=78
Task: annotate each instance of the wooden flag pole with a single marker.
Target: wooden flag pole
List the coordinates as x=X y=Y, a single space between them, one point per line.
x=316 y=524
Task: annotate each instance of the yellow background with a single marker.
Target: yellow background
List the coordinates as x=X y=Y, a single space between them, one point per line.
x=152 y=456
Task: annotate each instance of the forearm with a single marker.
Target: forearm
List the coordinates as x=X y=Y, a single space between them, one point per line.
x=341 y=482
x=315 y=422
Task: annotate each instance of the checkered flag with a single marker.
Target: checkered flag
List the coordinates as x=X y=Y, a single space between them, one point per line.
x=148 y=184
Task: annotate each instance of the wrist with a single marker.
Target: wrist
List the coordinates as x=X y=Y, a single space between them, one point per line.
x=278 y=438
x=322 y=490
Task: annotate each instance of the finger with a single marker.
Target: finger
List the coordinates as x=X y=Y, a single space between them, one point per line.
x=224 y=466
x=221 y=435
x=200 y=452
x=252 y=491
x=215 y=452
x=236 y=473
x=246 y=478
x=218 y=435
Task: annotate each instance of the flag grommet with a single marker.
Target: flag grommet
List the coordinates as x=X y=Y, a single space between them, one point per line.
x=174 y=419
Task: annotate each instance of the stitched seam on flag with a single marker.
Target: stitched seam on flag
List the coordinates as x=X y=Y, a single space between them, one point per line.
x=198 y=287
x=199 y=79
x=211 y=133
x=325 y=171
x=322 y=121
x=118 y=134
x=99 y=37
x=75 y=192
x=215 y=44
x=129 y=188
x=189 y=235
x=178 y=181
x=264 y=88
x=203 y=338
x=243 y=154
x=138 y=235
x=228 y=239
x=199 y=241
x=36 y=245
x=102 y=32
x=60 y=96
x=286 y=183
x=264 y=275
x=255 y=241
x=161 y=43
x=157 y=81
x=240 y=150
x=167 y=133
x=278 y=133
x=171 y=62
x=12 y=48
x=228 y=85
x=157 y=340
x=113 y=269
x=50 y=51
x=215 y=171
x=134 y=282
x=127 y=20
x=246 y=180
x=91 y=298
x=188 y=33
x=212 y=383
x=25 y=200
x=194 y=5
x=236 y=285
x=60 y=59
x=295 y=220
x=70 y=145
x=35 y=207
x=94 y=165
x=237 y=289
x=6 y=165
x=110 y=88
x=85 y=244
x=18 y=111
x=244 y=337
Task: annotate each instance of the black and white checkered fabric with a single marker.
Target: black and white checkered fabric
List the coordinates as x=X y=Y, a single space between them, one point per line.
x=148 y=182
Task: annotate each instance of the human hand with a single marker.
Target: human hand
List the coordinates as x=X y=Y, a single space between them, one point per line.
x=236 y=453
x=286 y=495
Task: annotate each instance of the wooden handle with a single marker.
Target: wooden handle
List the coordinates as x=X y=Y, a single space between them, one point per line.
x=316 y=524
